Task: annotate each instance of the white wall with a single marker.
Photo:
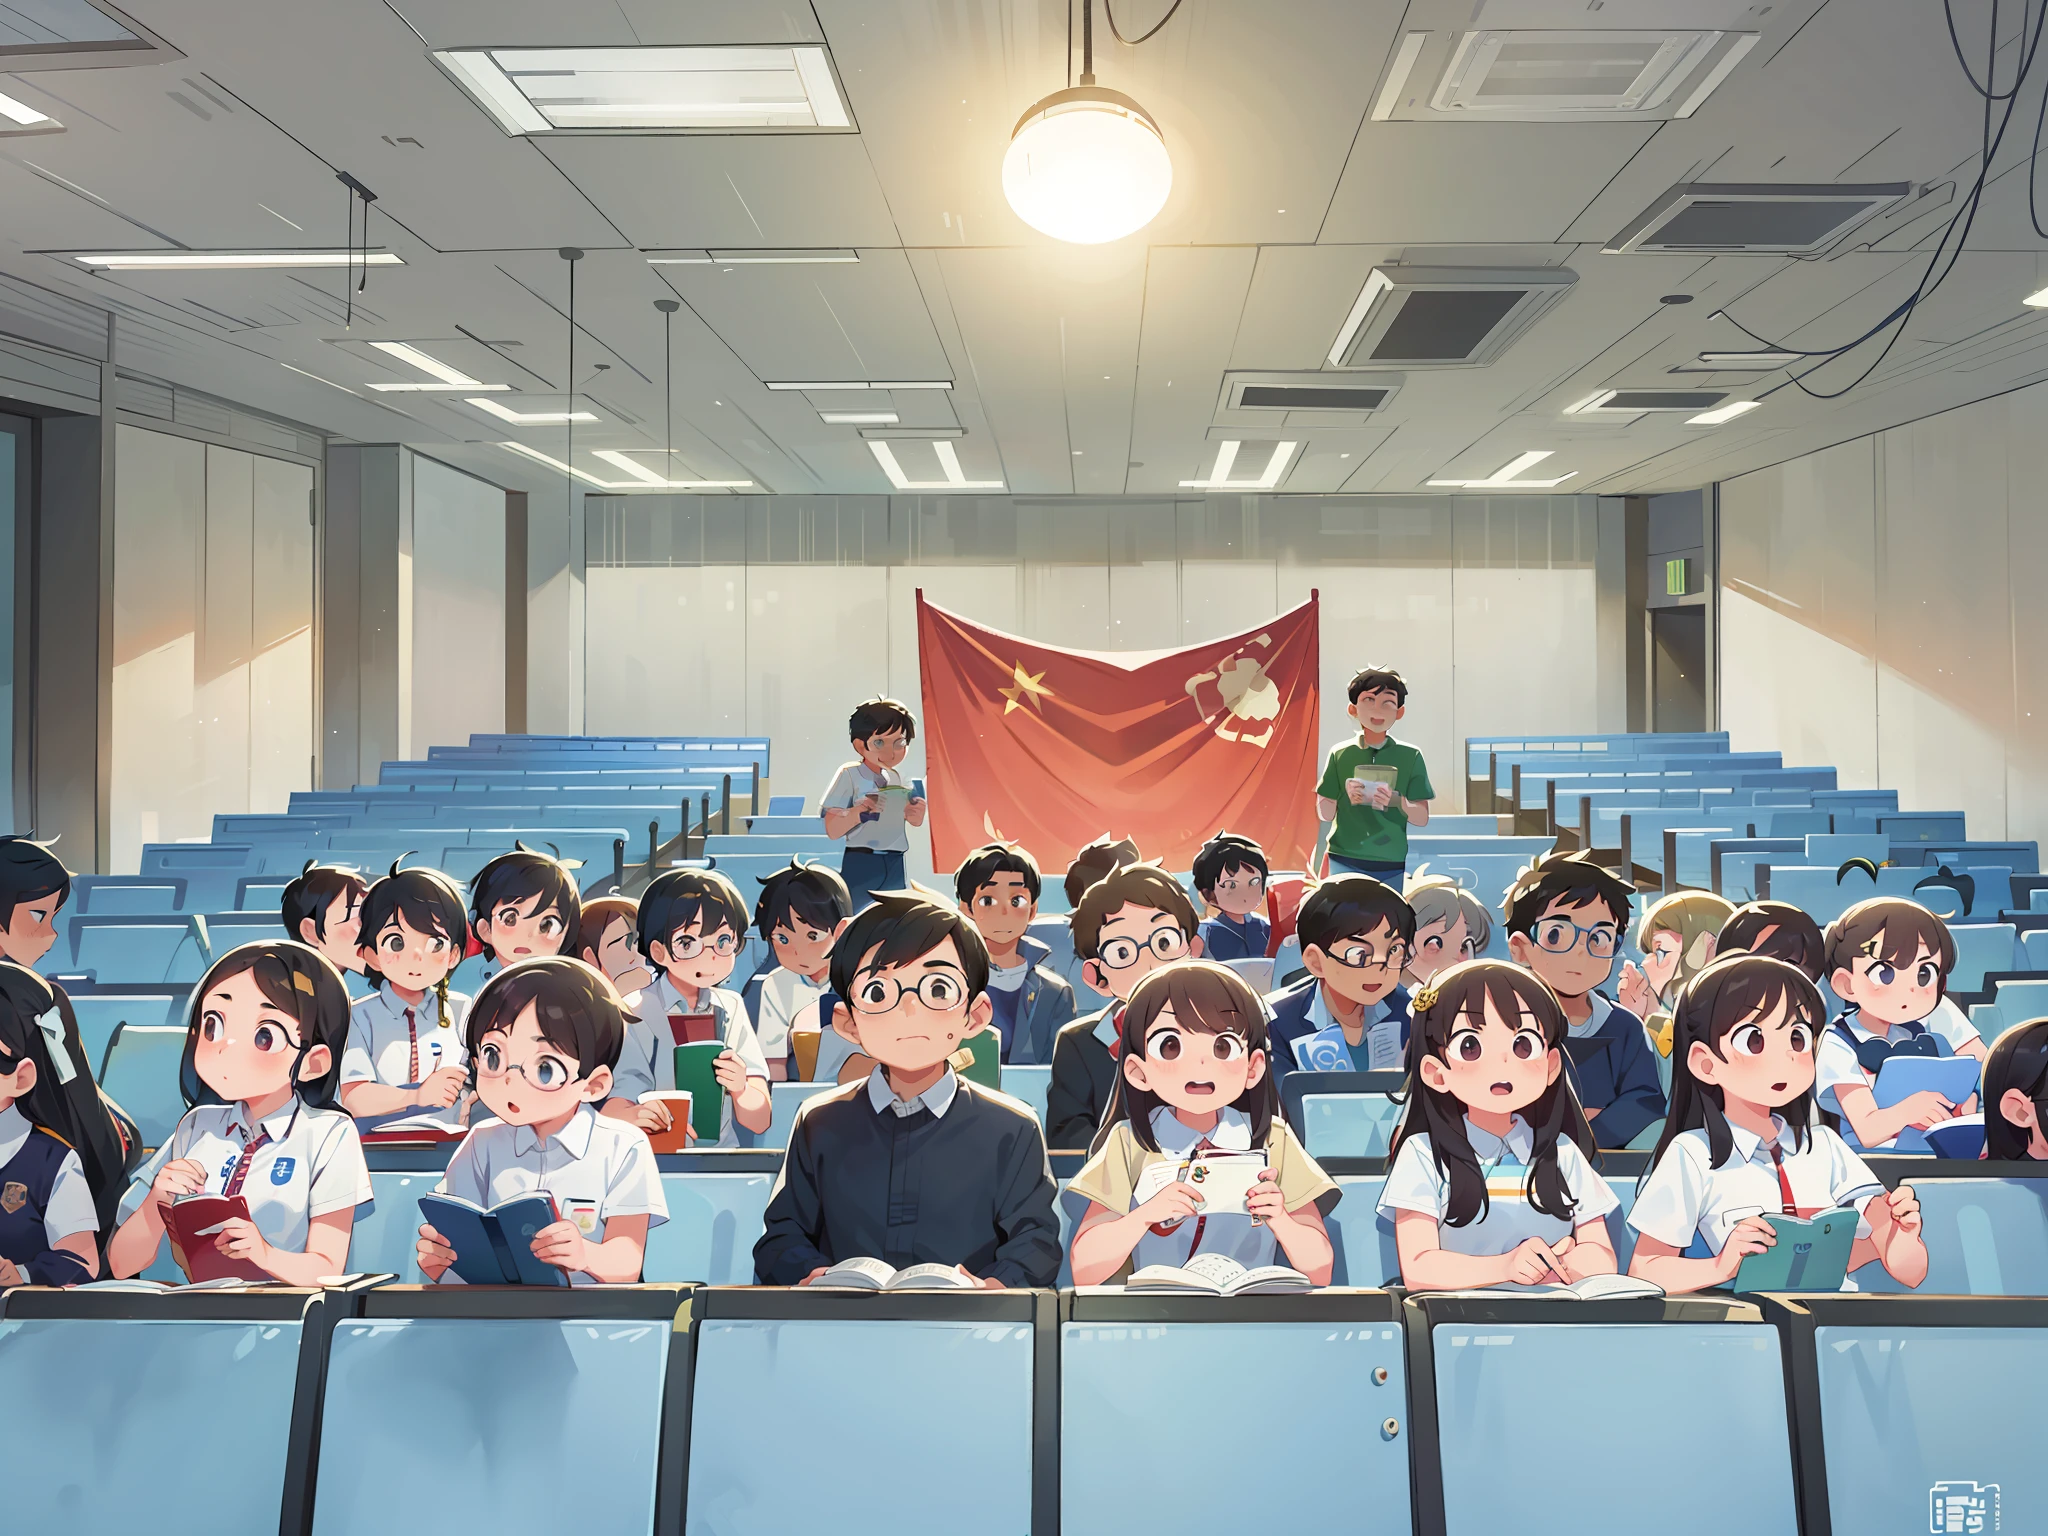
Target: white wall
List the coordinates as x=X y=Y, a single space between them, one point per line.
x=454 y=587
x=1878 y=612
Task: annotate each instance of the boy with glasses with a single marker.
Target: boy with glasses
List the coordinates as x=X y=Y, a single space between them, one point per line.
x=1126 y=926
x=1565 y=916
x=1351 y=1014
x=544 y=1038
x=691 y=921
x=1230 y=874
x=914 y=1165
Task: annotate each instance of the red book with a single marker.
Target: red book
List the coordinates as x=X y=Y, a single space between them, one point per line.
x=693 y=1028
x=193 y=1222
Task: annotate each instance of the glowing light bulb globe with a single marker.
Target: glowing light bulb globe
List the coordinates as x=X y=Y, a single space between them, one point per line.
x=1087 y=165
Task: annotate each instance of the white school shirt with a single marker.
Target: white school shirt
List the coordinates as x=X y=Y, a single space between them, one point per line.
x=784 y=997
x=1684 y=1197
x=70 y=1210
x=1415 y=1183
x=380 y=1046
x=596 y=1168
x=647 y=1060
x=311 y=1166
x=1835 y=1063
x=854 y=782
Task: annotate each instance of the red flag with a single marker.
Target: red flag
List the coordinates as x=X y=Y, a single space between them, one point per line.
x=1052 y=748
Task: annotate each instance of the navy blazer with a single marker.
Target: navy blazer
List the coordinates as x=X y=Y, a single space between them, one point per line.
x=1614 y=1070
x=1047 y=1003
x=1290 y=1022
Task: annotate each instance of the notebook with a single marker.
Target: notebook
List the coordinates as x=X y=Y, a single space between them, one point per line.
x=1812 y=1254
x=1586 y=1288
x=692 y=1028
x=695 y=1077
x=495 y=1246
x=1225 y=1178
x=875 y=1275
x=193 y=1222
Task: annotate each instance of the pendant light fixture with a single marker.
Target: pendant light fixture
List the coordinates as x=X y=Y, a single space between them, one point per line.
x=1088 y=164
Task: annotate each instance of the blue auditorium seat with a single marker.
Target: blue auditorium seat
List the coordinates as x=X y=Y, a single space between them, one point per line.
x=714 y=1220
x=99 y=1014
x=1985 y=1237
x=137 y=949
x=1366 y=1255
x=228 y=930
x=1348 y=1124
x=383 y=1239
x=1980 y=947
x=140 y=1073
x=127 y=895
x=785 y=805
x=785 y=1100
x=260 y=893
x=1029 y=1083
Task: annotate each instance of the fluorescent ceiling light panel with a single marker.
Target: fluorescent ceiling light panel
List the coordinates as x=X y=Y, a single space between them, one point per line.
x=531 y=418
x=867 y=384
x=224 y=261
x=1722 y=413
x=859 y=418
x=407 y=387
x=1507 y=477
x=768 y=258
x=949 y=461
x=2038 y=300
x=643 y=479
x=1397 y=75
x=405 y=352
x=20 y=112
x=1226 y=459
x=555 y=90
x=1766 y=359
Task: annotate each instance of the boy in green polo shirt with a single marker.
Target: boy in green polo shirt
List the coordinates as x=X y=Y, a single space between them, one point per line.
x=1374 y=788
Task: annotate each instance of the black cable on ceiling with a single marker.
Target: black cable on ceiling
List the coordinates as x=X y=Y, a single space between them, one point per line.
x=571 y=255
x=1132 y=42
x=356 y=193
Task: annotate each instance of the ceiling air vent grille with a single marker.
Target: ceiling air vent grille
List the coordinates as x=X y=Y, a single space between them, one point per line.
x=1626 y=405
x=1767 y=220
x=1298 y=397
x=1443 y=317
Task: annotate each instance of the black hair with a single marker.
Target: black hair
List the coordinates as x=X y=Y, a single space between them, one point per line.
x=2018 y=1059
x=575 y=1008
x=299 y=982
x=73 y=1112
x=685 y=896
x=810 y=894
x=1142 y=885
x=29 y=872
x=874 y=717
x=518 y=876
x=1378 y=680
x=1571 y=877
x=1733 y=990
x=1946 y=879
x=1352 y=907
x=1461 y=992
x=1210 y=999
x=1223 y=854
x=1794 y=936
x=429 y=902
x=990 y=860
x=899 y=927
x=315 y=889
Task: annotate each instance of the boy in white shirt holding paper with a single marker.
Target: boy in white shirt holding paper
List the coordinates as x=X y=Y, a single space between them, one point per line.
x=851 y=807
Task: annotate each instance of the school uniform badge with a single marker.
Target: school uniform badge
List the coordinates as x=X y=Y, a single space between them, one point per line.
x=281 y=1170
x=13 y=1196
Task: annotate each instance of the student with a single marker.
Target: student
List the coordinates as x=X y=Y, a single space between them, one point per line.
x=1677 y=935
x=1565 y=917
x=1743 y=1140
x=1194 y=1076
x=2015 y=1094
x=1451 y=924
x=405 y=1055
x=997 y=887
x=1356 y=934
x=545 y=1035
x=802 y=909
x=882 y=731
x=1126 y=925
x=34 y=885
x=914 y=1165
x=50 y=1211
x=691 y=925
x=262 y=1056
x=1230 y=875
x=523 y=904
x=1779 y=931
x=1370 y=811
x=1491 y=1182
x=1095 y=861
x=608 y=941
x=1888 y=960
x=323 y=909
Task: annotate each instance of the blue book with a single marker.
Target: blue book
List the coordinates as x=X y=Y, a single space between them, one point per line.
x=1324 y=1051
x=1953 y=1077
x=495 y=1246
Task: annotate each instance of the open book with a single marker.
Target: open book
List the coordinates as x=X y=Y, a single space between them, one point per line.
x=1812 y=1254
x=153 y=1287
x=428 y=1125
x=1212 y=1274
x=1587 y=1288
x=192 y=1223
x=495 y=1246
x=874 y=1275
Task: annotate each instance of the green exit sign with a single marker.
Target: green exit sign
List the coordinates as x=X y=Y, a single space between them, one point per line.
x=1677 y=578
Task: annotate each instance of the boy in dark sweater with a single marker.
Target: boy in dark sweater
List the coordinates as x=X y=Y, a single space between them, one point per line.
x=915 y=1165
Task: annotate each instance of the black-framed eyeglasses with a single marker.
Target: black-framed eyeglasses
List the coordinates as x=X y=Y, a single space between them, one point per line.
x=1363 y=957
x=940 y=991
x=1163 y=943
x=687 y=946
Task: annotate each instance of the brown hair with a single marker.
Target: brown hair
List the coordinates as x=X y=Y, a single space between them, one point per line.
x=1209 y=999
x=1694 y=916
x=1144 y=885
x=1891 y=929
x=599 y=915
x=1095 y=861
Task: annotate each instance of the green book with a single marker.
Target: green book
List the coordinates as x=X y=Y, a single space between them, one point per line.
x=1811 y=1254
x=985 y=1059
x=707 y=1098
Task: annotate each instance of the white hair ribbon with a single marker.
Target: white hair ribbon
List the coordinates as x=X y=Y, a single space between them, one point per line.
x=52 y=1026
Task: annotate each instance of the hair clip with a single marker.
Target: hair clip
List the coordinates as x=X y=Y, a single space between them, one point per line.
x=303 y=983
x=52 y=1026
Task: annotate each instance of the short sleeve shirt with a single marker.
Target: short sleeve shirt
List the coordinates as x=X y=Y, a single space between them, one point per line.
x=70 y=1209
x=853 y=783
x=647 y=1059
x=1686 y=1202
x=312 y=1165
x=1360 y=831
x=1415 y=1183
x=1835 y=1064
x=384 y=1048
x=1112 y=1177
x=596 y=1168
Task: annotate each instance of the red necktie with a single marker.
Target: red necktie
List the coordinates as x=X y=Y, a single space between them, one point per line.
x=412 y=1045
x=1784 y=1184
x=1116 y=1043
x=241 y=1170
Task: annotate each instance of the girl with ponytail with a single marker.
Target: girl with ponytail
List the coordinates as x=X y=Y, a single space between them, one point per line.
x=405 y=1056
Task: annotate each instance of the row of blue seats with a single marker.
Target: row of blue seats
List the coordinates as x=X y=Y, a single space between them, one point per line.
x=731 y=1412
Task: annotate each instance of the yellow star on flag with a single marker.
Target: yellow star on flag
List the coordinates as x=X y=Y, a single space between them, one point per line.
x=1029 y=688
